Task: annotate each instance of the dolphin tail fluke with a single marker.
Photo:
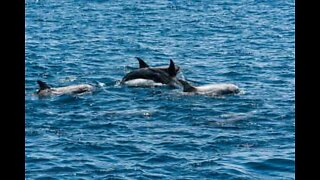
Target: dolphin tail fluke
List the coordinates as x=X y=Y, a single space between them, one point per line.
x=172 y=69
x=186 y=86
x=43 y=85
x=142 y=64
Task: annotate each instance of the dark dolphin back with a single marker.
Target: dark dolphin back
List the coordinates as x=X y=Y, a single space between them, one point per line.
x=156 y=75
x=172 y=71
x=142 y=64
x=43 y=85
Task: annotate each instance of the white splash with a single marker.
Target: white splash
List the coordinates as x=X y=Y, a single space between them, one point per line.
x=142 y=83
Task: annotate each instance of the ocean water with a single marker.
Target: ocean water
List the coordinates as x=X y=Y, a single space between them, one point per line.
x=120 y=132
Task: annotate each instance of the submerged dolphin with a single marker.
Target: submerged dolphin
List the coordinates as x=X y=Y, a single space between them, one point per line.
x=210 y=89
x=152 y=75
x=46 y=90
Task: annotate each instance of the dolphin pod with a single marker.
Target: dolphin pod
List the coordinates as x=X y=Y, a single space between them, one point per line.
x=147 y=76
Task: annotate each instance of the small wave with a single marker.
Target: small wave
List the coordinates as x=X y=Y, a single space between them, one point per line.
x=67 y=79
x=164 y=159
x=133 y=112
x=205 y=163
x=275 y=164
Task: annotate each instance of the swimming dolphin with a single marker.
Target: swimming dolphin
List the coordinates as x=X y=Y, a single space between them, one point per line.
x=143 y=64
x=46 y=90
x=156 y=75
x=210 y=89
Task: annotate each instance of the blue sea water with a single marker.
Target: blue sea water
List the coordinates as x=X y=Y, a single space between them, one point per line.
x=120 y=132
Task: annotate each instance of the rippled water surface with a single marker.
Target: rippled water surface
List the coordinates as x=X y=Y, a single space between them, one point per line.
x=160 y=133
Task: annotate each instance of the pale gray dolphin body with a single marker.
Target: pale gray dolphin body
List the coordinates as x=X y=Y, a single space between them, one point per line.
x=210 y=89
x=158 y=75
x=46 y=90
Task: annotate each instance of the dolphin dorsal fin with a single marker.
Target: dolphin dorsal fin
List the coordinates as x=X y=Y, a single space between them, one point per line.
x=43 y=85
x=186 y=86
x=142 y=64
x=172 y=69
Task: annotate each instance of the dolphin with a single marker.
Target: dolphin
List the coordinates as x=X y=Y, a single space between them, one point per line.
x=210 y=89
x=143 y=64
x=152 y=75
x=46 y=90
